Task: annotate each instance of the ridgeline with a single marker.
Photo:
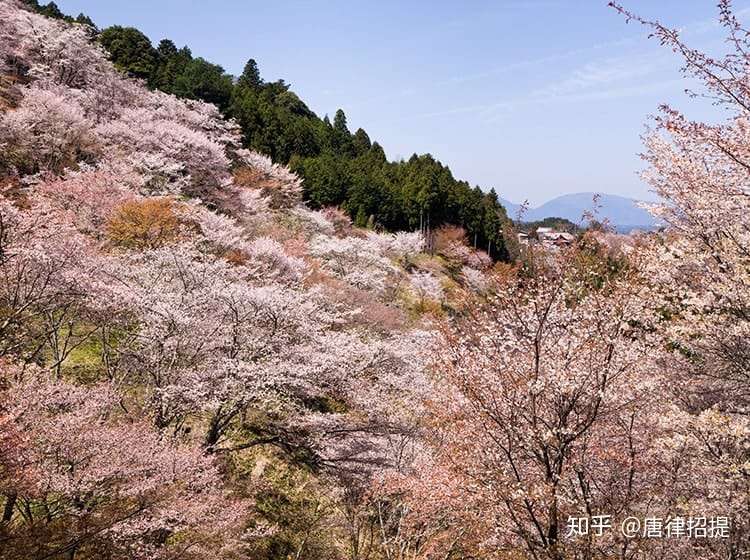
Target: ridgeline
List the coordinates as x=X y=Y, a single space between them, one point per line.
x=339 y=168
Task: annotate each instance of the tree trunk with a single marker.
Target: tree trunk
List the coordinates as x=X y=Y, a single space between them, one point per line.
x=10 y=504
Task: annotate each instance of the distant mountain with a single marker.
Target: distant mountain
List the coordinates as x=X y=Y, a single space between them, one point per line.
x=622 y=212
x=511 y=208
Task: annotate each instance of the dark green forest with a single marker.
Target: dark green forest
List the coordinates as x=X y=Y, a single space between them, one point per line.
x=339 y=168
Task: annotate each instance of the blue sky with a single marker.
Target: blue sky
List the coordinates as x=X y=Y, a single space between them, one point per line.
x=534 y=98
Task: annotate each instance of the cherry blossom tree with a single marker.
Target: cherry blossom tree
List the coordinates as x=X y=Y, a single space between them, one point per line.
x=210 y=344
x=278 y=183
x=43 y=283
x=547 y=387
x=699 y=272
x=421 y=512
x=401 y=246
x=475 y=279
x=357 y=261
x=104 y=481
x=426 y=286
x=166 y=152
x=86 y=198
x=49 y=50
x=47 y=131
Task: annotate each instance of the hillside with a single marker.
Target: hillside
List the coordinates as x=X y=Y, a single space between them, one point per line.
x=620 y=211
x=338 y=167
x=193 y=362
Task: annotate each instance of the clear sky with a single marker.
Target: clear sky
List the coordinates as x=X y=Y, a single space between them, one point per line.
x=534 y=98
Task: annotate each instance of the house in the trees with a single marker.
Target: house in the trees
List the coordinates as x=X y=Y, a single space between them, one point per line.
x=551 y=238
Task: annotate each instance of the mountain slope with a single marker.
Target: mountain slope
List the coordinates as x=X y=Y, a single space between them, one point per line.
x=228 y=358
x=620 y=211
x=511 y=208
x=339 y=167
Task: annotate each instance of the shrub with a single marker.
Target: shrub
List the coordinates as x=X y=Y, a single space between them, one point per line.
x=144 y=224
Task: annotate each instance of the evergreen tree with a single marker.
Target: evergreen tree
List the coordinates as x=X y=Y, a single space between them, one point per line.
x=339 y=122
x=494 y=216
x=361 y=142
x=130 y=51
x=51 y=10
x=361 y=219
x=85 y=20
x=203 y=80
x=378 y=152
x=341 y=138
x=251 y=75
x=171 y=64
